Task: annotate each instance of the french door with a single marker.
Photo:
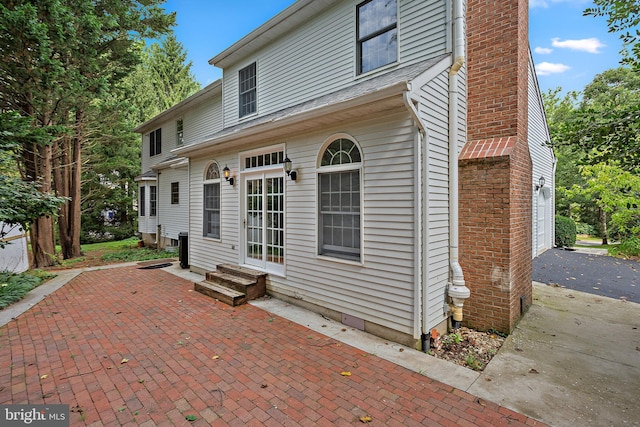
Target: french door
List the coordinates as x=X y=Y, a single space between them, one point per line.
x=263 y=223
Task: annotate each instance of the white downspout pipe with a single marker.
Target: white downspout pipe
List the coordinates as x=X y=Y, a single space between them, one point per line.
x=419 y=165
x=457 y=290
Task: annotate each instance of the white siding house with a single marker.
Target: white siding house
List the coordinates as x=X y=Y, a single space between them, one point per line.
x=367 y=100
x=544 y=164
x=163 y=186
x=14 y=257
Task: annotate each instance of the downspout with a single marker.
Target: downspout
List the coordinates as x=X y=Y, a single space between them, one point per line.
x=418 y=266
x=457 y=290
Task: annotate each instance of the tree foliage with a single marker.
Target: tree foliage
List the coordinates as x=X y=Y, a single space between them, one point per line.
x=58 y=57
x=623 y=16
x=605 y=125
x=161 y=80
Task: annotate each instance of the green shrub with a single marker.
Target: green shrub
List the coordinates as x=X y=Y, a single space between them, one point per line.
x=13 y=287
x=629 y=247
x=565 y=231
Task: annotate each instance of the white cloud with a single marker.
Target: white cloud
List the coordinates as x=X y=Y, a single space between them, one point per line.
x=591 y=45
x=544 y=3
x=542 y=50
x=547 y=68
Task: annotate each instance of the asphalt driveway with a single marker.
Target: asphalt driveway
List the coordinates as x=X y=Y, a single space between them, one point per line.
x=134 y=347
x=595 y=274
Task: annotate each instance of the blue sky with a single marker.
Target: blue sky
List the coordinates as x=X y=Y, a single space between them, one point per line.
x=568 y=49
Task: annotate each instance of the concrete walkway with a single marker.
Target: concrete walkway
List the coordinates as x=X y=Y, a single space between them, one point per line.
x=126 y=346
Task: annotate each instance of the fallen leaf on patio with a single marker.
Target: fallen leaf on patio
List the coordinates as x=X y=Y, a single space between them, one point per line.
x=366 y=419
x=42 y=377
x=480 y=402
x=216 y=357
x=570 y=296
x=264 y=386
x=401 y=350
x=345 y=374
x=124 y=361
x=190 y=290
x=623 y=299
x=596 y=288
x=533 y=371
x=343 y=330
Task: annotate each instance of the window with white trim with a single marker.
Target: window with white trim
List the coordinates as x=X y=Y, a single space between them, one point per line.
x=155 y=142
x=175 y=193
x=153 y=200
x=141 y=203
x=179 y=132
x=340 y=214
x=211 y=214
x=247 y=90
x=377 y=34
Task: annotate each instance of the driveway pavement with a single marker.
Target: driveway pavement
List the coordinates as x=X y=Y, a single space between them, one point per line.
x=125 y=346
x=586 y=270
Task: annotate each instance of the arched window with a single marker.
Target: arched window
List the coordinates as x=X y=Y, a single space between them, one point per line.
x=211 y=214
x=339 y=194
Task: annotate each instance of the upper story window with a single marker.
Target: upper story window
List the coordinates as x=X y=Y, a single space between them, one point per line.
x=377 y=34
x=247 y=86
x=339 y=216
x=155 y=142
x=179 y=132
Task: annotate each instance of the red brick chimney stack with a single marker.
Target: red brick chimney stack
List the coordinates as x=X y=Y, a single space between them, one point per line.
x=495 y=166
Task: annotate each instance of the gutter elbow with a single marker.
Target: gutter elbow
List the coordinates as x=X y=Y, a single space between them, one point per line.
x=456 y=66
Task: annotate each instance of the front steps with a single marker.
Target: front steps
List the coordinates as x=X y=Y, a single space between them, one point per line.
x=233 y=285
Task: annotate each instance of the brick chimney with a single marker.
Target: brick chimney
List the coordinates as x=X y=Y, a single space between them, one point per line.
x=495 y=167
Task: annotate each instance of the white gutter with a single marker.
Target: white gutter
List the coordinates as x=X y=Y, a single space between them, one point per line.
x=419 y=293
x=457 y=290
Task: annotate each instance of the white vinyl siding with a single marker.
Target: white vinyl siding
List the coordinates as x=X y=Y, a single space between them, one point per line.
x=542 y=159
x=435 y=111
x=380 y=289
x=320 y=57
x=205 y=252
x=171 y=216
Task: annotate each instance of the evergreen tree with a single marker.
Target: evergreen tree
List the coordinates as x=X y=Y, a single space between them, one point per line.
x=58 y=57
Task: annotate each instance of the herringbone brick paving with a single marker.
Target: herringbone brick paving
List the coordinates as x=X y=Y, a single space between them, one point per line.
x=135 y=347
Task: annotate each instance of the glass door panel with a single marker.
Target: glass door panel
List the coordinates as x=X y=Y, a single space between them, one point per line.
x=264 y=223
x=254 y=222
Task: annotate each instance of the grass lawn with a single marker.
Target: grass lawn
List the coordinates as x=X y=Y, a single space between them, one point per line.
x=95 y=254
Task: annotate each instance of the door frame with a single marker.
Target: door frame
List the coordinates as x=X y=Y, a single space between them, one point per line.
x=264 y=174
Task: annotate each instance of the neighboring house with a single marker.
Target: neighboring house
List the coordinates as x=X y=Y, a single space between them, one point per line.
x=14 y=257
x=327 y=157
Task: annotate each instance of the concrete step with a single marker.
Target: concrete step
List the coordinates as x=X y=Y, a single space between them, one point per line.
x=221 y=293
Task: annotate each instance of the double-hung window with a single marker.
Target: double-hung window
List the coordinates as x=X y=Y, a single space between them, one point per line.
x=377 y=34
x=153 y=200
x=211 y=220
x=155 y=142
x=339 y=218
x=175 y=193
x=247 y=86
x=142 y=203
x=179 y=132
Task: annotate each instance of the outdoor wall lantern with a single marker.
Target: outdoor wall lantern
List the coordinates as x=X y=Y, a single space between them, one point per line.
x=540 y=183
x=227 y=175
x=288 y=165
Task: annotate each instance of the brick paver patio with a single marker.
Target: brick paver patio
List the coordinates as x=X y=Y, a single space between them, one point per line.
x=135 y=347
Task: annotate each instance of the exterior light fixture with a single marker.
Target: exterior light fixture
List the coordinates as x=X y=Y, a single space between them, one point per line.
x=227 y=175
x=540 y=183
x=288 y=165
